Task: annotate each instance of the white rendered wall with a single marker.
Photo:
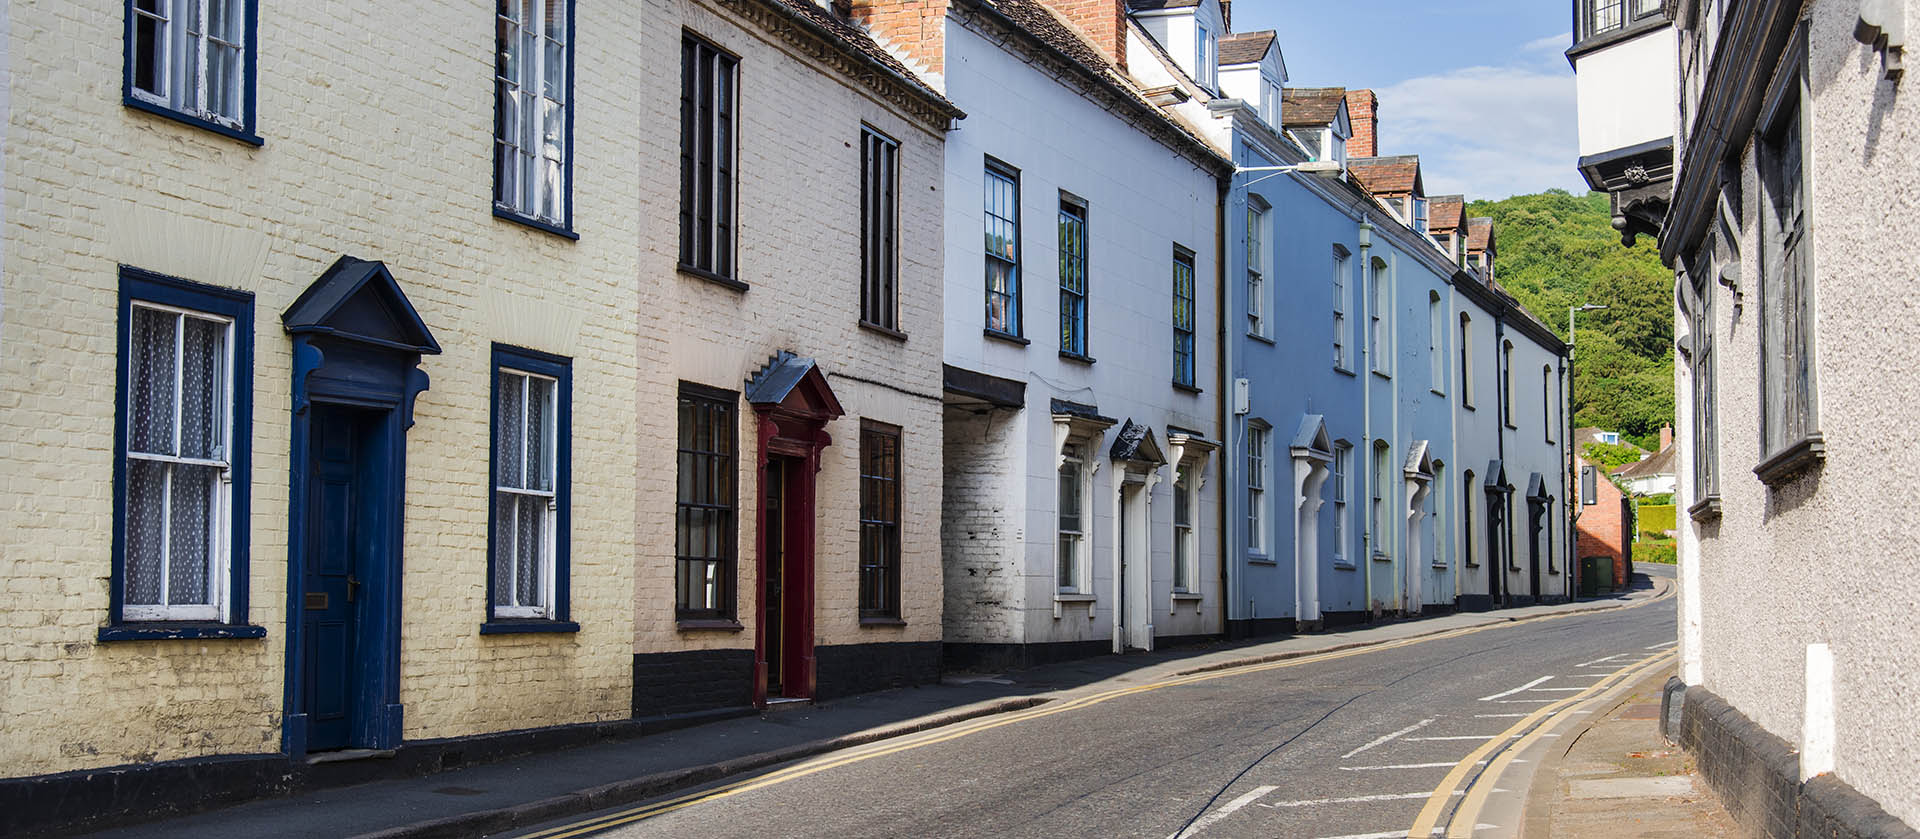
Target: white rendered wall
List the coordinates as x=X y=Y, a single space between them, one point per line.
x=1626 y=92
x=1142 y=199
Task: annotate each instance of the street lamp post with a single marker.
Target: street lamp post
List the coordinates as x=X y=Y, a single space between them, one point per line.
x=1574 y=501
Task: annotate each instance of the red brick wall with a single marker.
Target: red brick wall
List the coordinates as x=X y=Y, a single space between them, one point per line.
x=1600 y=528
x=917 y=27
x=1103 y=22
x=1363 y=108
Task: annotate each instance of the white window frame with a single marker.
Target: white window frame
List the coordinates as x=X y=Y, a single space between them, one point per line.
x=1259 y=466
x=545 y=572
x=1379 y=518
x=1185 y=544
x=185 y=90
x=219 y=518
x=1436 y=343
x=1073 y=452
x=1256 y=269
x=1342 y=473
x=1378 y=325
x=531 y=139
x=1438 y=497
x=1466 y=359
x=1205 y=52
x=1340 y=259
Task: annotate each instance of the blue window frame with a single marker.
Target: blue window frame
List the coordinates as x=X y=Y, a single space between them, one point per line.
x=530 y=498
x=1183 y=320
x=182 y=457
x=1002 y=221
x=193 y=61
x=1073 y=277
x=533 y=114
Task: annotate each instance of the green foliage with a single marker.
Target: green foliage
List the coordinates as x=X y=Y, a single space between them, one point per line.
x=1558 y=250
x=1665 y=551
x=1662 y=498
x=1610 y=455
x=1655 y=519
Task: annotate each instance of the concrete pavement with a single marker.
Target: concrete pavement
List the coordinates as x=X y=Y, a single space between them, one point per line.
x=499 y=797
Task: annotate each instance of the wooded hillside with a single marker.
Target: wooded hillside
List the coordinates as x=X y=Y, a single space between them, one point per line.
x=1558 y=250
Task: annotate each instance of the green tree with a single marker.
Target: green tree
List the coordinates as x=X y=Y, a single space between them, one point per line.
x=1557 y=250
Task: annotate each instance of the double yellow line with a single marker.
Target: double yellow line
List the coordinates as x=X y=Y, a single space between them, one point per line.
x=954 y=732
x=1542 y=721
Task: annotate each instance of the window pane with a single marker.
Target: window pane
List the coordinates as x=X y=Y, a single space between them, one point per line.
x=539 y=433
x=530 y=549
x=191 y=542
x=150 y=408
x=510 y=431
x=504 y=529
x=146 y=531
x=149 y=49
x=202 y=389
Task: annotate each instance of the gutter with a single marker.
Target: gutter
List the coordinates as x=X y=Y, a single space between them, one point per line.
x=1223 y=376
x=1365 y=561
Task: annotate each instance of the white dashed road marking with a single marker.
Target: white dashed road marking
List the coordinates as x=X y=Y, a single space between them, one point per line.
x=1225 y=810
x=1541 y=680
x=1408 y=730
x=1391 y=796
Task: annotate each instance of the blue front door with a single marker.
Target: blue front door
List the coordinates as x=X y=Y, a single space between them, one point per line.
x=331 y=588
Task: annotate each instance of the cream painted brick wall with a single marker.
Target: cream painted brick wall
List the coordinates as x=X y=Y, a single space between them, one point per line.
x=383 y=159
x=982 y=533
x=799 y=252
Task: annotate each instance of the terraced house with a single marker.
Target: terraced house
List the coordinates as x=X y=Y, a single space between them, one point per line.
x=1081 y=388
x=410 y=427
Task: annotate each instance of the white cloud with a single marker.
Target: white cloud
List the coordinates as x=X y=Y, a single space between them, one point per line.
x=1487 y=132
x=1555 y=43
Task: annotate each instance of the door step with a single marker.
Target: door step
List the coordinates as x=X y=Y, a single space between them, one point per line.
x=787 y=703
x=345 y=755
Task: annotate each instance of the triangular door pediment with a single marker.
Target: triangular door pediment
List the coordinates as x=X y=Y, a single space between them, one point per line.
x=359 y=300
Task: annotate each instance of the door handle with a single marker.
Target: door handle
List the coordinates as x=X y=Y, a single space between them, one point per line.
x=353 y=588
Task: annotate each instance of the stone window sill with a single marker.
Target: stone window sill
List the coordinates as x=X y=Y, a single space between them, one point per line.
x=178 y=630
x=1705 y=510
x=708 y=625
x=1793 y=460
x=523 y=627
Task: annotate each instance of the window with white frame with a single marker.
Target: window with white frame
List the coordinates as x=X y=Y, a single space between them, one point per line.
x=191 y=59
x=1378 y=345
x=182 y=444
x=1205 y=55
x=529 y=484
x=1377 y=526
x=1337 y=486
x=1183 y=539
x=1256 y=269
x=1270 y=101
x=1546 y=401
x=1700 y=340
x=1340 y=307
x=1072 y=524
x=1506 y=382
x=1257 y=489
x=1419 y=214
x=1466 y=359
x=1466 y=519
x=178 y=486
x=1073 y=276
x=533 y=62
x=1436 y=340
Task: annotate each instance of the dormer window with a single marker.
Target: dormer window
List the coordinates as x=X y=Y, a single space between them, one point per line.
x=1419 y=214
x=1270 y=101
x=1206 y=52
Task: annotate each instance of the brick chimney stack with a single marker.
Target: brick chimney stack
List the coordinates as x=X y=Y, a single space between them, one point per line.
x=1103 y=22
x=1666 y=437
x=916 y=27
x=1363 y=108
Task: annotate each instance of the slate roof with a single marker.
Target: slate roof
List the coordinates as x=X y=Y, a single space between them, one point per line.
x=1033 y=18
x=1658 y=464
x=1311 y=105
x=1479 y=232
x=1246 y=48
x=851 y=38
x=1446 y=212
x=1386 y=175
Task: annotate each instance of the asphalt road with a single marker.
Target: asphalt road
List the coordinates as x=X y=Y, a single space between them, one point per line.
x=1352 y=746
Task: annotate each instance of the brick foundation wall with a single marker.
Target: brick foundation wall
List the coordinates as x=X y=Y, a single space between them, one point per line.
x=848 y=669
x=1756 y=775
x=691 y=681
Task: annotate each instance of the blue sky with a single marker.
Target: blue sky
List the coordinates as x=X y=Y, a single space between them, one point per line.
x=1478 y=88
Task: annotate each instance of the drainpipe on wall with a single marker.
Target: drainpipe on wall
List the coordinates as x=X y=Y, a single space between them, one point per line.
x=1365 y=561
x=1396 y=511
x=1224 y=395
x=1504 y=548
x=1457 y=391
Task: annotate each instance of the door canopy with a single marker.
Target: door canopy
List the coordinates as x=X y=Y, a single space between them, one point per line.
x=1135 y=443
x=357 y=338
x=794 y=402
